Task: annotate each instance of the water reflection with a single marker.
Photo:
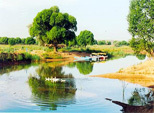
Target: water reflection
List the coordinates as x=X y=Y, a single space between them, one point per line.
x=50 y=95
x=8 y=69
x=141 y=56
x=141 y=101
x=140 y=97
x=83 y=67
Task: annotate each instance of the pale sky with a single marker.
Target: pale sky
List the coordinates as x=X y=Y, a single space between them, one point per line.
x=107 y=19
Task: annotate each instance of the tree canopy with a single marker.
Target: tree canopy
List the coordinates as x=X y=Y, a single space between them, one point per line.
x=85 y=38
x=29 y=40
x=50 y=26
x=141 y=22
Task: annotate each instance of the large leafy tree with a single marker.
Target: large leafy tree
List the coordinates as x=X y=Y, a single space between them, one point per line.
x=141 y=25
x=50 y=26
x=85 y=38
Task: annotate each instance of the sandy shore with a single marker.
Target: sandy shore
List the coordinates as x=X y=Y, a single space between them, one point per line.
x=142 y=74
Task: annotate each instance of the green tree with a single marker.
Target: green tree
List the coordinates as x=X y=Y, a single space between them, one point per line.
x=17 y=40
x=11 y=41
x=3 y=40
x=103 y=42
x=95 y=42
x=29 y=40
x=50 y=26
x=85 y=38
x=124 y=43
x=108 y=42
x=23 y=40
x=141 y=22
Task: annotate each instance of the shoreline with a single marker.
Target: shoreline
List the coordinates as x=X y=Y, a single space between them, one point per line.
x=142 y=74
x=67 y=56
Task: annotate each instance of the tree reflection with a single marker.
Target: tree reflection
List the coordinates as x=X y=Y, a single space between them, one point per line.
x=141 y=101
x=50 y=95
x=140 y=97
x=84 y=67
x=141 y=56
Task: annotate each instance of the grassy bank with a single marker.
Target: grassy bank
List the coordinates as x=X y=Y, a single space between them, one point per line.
x=113 y=51
x=35 y=52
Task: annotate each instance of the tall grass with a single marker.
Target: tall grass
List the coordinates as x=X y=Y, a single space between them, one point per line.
x=4 y=57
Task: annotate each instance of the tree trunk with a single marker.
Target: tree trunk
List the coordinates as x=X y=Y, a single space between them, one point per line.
x=55 y=48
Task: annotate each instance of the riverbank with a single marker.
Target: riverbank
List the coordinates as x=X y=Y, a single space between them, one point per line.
x=17 y=53
x=23 y=58
x=142 y=74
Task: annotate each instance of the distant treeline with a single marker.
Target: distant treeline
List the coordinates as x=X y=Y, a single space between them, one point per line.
x=31 y=40
x=13 y=41
x=116 y=43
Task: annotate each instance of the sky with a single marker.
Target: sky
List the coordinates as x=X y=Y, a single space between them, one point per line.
x=106 y=19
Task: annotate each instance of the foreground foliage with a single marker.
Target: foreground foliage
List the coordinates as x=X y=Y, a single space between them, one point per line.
x=140 y=18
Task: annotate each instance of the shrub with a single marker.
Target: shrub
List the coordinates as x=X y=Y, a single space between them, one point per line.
x=28 y=56
x=35 y=58
x=19 y=57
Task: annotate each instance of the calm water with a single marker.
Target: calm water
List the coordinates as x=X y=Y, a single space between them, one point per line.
x=24 y=87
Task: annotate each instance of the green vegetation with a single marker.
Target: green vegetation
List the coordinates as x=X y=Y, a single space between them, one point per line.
x=85 y=38
x=141 y=97
x=11 y=68
x=103 y=42
x=29 y=41
x=3 y=40
x=11 y=41
x=50 y=26
x=18 y=40
x=112 y=50
x=140 y=20
x=120 y=43
x=5 y=57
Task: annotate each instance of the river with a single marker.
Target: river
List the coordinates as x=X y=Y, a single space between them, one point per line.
x=25 y=88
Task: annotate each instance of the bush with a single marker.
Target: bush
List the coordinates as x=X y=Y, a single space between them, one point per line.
x=35 y=58
x=19 y=57
x=28 y=56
